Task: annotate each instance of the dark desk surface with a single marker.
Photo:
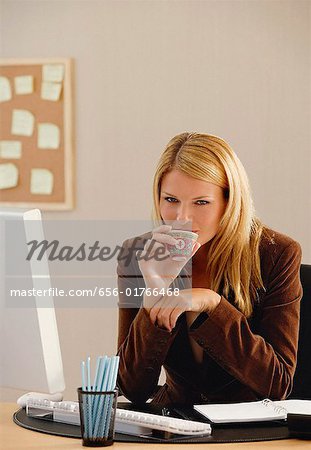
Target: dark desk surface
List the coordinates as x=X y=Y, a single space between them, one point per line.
x=13 y=437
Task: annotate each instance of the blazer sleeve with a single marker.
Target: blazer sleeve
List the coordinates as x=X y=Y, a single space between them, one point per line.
x=142 y=346
x=264 y=361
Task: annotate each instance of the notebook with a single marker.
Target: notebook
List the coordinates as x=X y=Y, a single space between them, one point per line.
x=260 y=411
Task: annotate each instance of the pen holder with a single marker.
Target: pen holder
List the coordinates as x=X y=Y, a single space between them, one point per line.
x=97 y=417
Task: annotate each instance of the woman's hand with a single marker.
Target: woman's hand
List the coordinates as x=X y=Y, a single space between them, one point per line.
x=158 y=267
x=166 y=311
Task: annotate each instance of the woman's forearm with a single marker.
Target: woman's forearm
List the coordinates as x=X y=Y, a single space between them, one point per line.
x=142 y=355
x=264 y=362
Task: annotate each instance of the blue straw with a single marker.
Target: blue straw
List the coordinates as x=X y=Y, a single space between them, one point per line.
x=106 y=401
x=113 y=386
x=98 y=385
x=86 y=429
x=89 y=397
x=89 y=373
x=109 y=402
x=100 y=405
x=102 y=371
x=96 y=374
x=97 y=411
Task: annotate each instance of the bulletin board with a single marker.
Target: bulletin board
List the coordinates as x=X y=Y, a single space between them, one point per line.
x=36 y=133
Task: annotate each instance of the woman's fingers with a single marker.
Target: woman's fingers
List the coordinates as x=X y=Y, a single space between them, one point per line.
x=149 y=244
x=151 y=247
x=166 y=312
x=160 y=313
x=179 y=258
x=164 y=238
x=184 y=304
x=162 y=229
x=163 y=318
x=195 y=248
x=175 y=315
x=153 y=314
x=159 y=238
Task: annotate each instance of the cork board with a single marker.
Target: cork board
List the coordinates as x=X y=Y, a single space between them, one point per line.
x=42 y=158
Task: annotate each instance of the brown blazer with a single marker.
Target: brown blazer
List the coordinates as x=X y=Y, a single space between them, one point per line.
x=244 y=359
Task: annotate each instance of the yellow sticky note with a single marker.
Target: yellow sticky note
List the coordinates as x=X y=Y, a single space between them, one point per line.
x=41 y=181
x=53 y=72
x=10 y=149
x=50 y=91
x=48 y=136
x=23 y=84
x=22 y=122
x=8 y=176
x=5 y=89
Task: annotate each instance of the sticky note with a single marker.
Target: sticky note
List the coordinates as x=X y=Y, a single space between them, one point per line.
x=48 y=136
x=53 y=72
x=10 y=149
x=23 y=85
x=41 y=181
x=5 y=89
x=22 y=122
x=50 y=91
x=8 y=176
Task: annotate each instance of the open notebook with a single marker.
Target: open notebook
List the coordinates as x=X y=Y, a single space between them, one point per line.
x=263 y=410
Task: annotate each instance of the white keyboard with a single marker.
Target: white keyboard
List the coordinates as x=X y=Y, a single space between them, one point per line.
x=164 y=423
x=127 y=422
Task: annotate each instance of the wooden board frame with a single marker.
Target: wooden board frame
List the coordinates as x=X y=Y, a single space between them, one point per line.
x=68 y=135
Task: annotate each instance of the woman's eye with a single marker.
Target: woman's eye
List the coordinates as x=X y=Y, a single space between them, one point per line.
x=171 y=199
x=202 y=202
x=198 y=202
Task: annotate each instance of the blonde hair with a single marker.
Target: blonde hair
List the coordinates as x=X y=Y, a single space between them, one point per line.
x=233 y=257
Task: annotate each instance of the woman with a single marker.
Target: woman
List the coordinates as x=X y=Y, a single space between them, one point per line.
x=232 y=334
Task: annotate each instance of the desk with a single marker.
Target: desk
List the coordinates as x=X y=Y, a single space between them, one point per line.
x=13 y=437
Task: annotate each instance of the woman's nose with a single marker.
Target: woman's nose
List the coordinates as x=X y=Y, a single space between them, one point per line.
x=184 y=213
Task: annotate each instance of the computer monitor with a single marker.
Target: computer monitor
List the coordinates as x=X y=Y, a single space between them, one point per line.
x=30 y=355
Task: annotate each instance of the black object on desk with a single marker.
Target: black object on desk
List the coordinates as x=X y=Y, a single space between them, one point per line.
x=302 y=379
x=299 y=425
x=260 y=431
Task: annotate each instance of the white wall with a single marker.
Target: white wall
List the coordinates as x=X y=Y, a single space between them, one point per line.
x=147 y=70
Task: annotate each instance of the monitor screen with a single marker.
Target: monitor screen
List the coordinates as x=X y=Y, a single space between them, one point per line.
x=30 y=355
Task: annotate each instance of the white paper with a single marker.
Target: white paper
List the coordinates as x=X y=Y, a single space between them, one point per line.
x=262 y=410
x=5 y=89
x=294 y=406
x=23 y=84
x=10 y=149
x=48 y=136
x=240 y=412
x=53 y=72
x=50 y=91
x=8 y=176
x=22 y=122
x=41 y=182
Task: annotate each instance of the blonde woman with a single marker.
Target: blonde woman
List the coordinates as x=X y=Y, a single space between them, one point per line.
x=231 y=334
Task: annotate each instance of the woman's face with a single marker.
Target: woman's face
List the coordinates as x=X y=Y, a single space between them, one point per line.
x=184 y=198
